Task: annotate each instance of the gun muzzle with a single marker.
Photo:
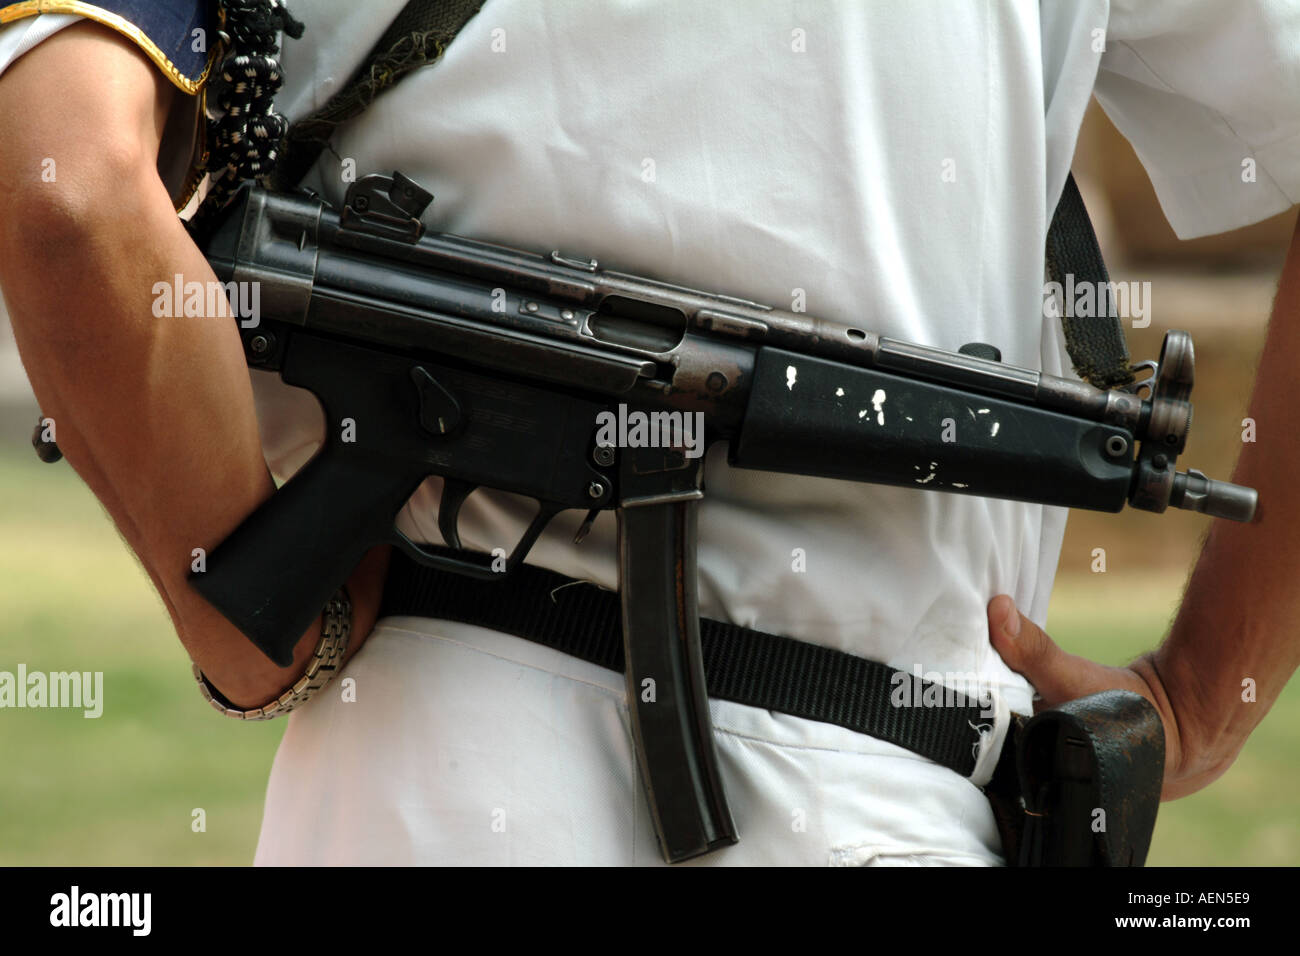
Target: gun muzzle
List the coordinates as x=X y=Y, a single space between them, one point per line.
x=1222 y=499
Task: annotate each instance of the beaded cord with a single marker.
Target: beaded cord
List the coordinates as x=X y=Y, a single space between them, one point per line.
x=244 y=138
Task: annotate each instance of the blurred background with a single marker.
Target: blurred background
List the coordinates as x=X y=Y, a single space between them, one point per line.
x=123 y=789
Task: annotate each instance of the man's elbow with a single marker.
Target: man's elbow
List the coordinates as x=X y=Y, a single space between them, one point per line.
x=54 y=215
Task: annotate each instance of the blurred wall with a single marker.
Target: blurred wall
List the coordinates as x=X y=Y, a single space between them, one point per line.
x=1134 y=230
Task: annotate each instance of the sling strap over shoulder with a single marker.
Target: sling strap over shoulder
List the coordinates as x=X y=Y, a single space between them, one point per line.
x=416 y=38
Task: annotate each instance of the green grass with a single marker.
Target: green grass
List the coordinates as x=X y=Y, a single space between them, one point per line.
x=1248 y=817
x=121 y=789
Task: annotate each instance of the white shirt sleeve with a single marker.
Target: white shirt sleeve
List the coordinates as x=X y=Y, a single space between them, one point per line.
x=19 y=36
x=1208 y=93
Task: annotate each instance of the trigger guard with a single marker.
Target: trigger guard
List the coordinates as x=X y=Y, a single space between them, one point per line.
x=478 y=564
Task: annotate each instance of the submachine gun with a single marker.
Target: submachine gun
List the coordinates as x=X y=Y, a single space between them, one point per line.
x=494 y=367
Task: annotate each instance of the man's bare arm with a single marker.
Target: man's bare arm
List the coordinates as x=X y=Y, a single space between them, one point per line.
x=156 y=414
x=1240 y=615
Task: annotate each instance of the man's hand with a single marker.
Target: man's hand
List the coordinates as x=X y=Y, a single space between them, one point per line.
x=1236 y=640
x=1059 y=676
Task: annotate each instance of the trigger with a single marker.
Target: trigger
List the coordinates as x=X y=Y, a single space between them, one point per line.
x=587 y=522
x=454 y=493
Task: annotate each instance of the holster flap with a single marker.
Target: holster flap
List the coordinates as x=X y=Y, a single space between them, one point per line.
x=1090 y=772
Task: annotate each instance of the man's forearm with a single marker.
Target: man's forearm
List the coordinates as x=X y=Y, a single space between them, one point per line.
x=1240 y=616
x=155 y=413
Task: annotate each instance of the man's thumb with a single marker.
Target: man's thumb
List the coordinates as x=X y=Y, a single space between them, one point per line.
x=1027 y=650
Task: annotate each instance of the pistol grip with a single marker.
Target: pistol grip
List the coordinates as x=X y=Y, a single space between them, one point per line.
x=278 y=568
x=666 y=693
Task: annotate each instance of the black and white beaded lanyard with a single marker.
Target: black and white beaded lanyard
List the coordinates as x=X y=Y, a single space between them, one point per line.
x=243 y=140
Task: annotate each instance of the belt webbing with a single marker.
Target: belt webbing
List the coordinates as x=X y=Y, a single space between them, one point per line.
x=740 y=664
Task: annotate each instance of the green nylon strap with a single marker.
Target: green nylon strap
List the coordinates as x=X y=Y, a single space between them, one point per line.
x=1095 y=343
x=417 y=37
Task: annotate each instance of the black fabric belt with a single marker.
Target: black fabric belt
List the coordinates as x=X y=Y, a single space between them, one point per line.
x=740 y=664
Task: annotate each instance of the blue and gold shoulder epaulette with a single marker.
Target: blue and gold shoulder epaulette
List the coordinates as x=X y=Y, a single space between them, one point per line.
x=180 y=37
x=176 y=34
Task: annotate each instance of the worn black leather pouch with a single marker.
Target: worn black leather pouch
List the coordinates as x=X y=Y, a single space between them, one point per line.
x=1079 y=785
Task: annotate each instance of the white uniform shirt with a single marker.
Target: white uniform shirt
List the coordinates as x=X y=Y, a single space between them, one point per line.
x=898 y=164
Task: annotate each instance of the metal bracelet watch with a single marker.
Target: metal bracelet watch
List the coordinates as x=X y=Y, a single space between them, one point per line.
x=336 y=629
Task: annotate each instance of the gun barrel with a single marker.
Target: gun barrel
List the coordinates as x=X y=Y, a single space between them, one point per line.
x=1221 y=499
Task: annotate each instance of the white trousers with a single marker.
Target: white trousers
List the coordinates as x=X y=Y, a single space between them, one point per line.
x=444 y=743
